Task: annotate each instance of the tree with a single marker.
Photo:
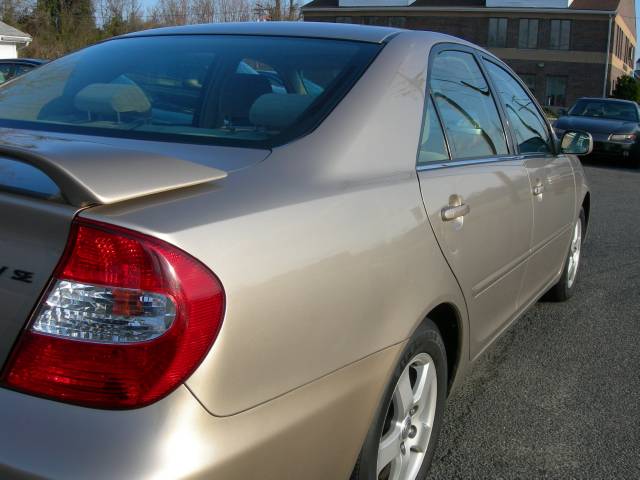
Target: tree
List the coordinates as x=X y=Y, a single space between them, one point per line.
x=171 y=12
x=627 y=88
x=14 y=12
x=120 y=16
x=274 y=10
x=203 y=11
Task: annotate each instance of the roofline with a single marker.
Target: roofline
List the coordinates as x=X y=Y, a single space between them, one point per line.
x=30 y=61
x=608 y=99
x=317 y=30
x=409 y=8
x=15 y=39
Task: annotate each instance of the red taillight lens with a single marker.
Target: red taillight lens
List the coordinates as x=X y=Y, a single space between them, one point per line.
x=126 y=319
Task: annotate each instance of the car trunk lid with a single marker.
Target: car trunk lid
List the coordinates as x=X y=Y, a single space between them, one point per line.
x=92 y=174
x=32 y=238
x=44 y=183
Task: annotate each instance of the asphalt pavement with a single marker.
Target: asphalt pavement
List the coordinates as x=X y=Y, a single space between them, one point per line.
x=558 y=396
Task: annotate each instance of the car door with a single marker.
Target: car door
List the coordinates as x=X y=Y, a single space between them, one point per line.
x=551 y=177
x=476 y=191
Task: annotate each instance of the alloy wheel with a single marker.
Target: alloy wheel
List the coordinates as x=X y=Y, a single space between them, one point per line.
x=409 y=421
x=574 y=254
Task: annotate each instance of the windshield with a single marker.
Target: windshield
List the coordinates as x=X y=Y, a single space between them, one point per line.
x=222 y=89
x=605 y=109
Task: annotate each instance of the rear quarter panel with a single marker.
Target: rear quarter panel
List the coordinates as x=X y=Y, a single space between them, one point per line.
x=324 y=249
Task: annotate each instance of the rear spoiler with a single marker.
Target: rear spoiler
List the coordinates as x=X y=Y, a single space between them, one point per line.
x=95 y=174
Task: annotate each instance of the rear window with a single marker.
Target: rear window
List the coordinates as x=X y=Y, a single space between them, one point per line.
x=605 y=109
x=221 y=89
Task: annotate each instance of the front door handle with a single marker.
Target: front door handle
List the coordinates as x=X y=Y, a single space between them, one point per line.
x=453 y=212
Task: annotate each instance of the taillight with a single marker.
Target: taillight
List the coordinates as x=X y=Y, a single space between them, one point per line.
x=126 y=319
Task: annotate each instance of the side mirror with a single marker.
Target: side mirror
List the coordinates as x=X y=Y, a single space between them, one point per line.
x=576 y=143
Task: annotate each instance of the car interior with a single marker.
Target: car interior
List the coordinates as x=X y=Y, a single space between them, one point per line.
x=248 y=92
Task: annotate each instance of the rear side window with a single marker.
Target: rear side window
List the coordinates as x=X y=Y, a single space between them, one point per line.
x=22 y=69
x=222 y=89
x=6 y=72
x=526 y=122
x=433 y=148
x=466 y=106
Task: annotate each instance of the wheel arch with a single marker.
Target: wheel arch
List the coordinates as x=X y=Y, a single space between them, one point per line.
x=586 y=206
x=448 y=319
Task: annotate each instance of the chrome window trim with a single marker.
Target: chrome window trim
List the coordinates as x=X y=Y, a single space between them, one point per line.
x=462 y=163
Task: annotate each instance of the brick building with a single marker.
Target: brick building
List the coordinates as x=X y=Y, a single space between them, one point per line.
x=558 y=47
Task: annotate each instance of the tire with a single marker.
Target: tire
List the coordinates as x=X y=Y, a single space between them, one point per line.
x=423 y=358
x=565 y=288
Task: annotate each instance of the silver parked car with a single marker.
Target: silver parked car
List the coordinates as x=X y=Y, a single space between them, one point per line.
x=266 y=251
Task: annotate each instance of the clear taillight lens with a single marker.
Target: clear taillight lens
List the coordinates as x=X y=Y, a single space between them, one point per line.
x=104 y=314
x=126 y=319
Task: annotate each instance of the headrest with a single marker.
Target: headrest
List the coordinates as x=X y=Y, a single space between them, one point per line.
x=112 y=98
x=276 y=110
x=240 y=91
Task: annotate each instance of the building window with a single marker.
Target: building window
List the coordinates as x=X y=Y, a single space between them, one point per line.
x=556 y=91
x=398 y=22
x=528 y=37
x=497 y=32
x=529 y=80
x=344 y=20
x=560 y=34
x=618 y=42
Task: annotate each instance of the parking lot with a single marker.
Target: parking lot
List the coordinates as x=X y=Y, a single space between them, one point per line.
x=559 y=395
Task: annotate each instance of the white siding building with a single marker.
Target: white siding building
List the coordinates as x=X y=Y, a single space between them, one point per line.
x=11 y=39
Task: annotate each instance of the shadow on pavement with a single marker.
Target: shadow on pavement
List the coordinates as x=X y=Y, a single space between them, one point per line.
x=610 y=161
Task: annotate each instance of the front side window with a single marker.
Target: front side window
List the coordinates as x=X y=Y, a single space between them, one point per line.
x=560 y=34
x=6 y=72
x=528 y=34
x=22 y=69
x=497 y=32
x=526 y=122
x=433 y=148
x=466 y=106
x=556 y=91
x=221 y=89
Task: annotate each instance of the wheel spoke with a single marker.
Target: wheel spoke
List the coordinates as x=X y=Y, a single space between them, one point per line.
x=430 y=380
x=399 y=471
x=403 y=395
x=421 y=442
x=389 y=449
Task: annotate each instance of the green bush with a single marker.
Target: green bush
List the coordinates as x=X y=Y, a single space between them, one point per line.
x=627 y=88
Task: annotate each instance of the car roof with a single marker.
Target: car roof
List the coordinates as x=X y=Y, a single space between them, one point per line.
x=336 y=31
x=610 y=100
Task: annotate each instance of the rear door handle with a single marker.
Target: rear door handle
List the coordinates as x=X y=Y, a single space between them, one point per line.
x=454 y=212
x=538 y=190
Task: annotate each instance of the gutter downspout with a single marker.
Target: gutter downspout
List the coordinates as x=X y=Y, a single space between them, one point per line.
x=609 y=54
